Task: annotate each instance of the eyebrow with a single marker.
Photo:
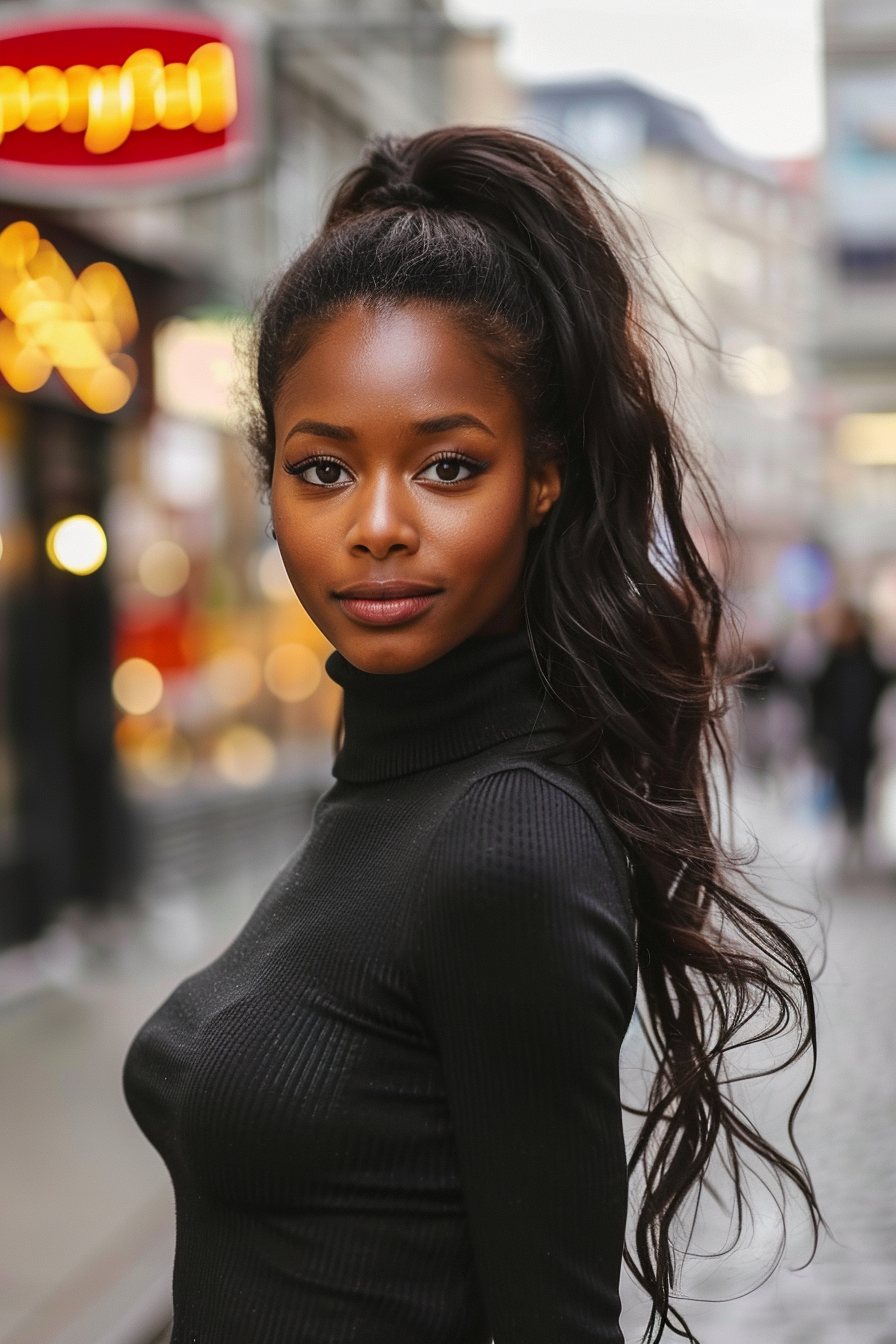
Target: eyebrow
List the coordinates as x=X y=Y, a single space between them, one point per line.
x=442 y=423
x=321 y=430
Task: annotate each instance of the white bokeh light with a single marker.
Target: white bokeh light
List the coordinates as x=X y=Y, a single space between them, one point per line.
x=77 y=544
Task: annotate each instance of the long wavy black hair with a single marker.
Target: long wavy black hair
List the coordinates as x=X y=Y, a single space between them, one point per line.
x=623 y=613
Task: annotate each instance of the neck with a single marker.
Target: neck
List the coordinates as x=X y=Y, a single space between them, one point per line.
x=485 y=691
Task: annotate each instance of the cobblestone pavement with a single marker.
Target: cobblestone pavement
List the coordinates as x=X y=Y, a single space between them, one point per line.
x=847 y=1130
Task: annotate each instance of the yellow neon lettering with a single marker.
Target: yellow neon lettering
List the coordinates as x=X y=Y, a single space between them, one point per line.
x=14 y=99
x=48 y=98
x=110 y=109
x=108 y=104
x=78 y=78
x=147 y=68
x=182 y=97
x=214 y=66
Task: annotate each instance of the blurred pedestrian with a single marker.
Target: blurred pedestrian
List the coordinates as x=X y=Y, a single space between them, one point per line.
x=775 y=693
x=846 y=694
x=754 y=685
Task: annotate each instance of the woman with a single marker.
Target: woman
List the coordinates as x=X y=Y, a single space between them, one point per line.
x=391 y=1109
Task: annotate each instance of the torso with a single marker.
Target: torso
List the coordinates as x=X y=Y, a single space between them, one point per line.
x=295 y=1090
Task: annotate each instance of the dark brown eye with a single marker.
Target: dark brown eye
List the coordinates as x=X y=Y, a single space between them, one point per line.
x=327 y=472
x=448 y=470
x=322 y=472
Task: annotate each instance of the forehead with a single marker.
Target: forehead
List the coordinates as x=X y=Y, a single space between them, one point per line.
x=415 y=355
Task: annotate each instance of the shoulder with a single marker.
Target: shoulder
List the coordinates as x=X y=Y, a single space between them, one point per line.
x=523 y=901
x=527 y=842
x=528 y=815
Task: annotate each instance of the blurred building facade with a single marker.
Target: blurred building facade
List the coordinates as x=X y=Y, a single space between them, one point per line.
x=731 y=243
x=181 y=664
x=857 y=333
x=333 y=74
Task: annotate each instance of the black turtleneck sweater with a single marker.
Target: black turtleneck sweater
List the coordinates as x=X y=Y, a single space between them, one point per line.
x=391 y=1108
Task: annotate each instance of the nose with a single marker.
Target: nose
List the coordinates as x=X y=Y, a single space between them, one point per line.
x=384 y=524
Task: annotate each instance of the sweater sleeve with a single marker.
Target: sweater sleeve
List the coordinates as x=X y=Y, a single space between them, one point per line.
x=526 y=967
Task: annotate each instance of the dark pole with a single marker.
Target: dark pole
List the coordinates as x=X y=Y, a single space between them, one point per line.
x=72 y=835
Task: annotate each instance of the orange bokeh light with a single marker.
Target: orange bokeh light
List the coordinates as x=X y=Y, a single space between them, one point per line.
x=54 y=319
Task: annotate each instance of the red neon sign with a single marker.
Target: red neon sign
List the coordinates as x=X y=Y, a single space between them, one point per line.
x=77 y=98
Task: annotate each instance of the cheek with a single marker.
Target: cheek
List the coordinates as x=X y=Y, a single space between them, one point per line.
x=306 y=543
x=483 y=535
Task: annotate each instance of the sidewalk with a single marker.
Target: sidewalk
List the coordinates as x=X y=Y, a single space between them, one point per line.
x=86 y=1232
x=86 y=1225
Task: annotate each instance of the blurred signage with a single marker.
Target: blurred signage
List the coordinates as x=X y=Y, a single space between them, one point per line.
x=53 y=319
x=862 y=160
x=195 y=369
x=868 y=439
x=93 y=105
x=183 y=462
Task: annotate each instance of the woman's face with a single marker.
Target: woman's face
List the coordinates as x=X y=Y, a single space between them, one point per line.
x=401 y=498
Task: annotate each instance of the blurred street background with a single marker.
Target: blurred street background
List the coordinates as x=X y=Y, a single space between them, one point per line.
x=165 y=720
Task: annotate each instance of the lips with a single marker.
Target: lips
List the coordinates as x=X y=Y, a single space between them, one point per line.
x=390 y=602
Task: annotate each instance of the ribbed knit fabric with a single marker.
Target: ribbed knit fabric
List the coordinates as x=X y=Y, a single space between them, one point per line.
x=391 y=1108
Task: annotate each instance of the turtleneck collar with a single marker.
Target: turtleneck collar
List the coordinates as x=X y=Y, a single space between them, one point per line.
x=485 y=691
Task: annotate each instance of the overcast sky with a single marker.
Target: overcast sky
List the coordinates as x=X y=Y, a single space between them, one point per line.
x=751 y=66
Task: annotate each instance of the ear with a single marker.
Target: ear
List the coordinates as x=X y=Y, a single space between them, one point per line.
x=545 y=485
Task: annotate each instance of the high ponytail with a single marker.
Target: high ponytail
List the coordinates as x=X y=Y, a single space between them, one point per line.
x=624 y=615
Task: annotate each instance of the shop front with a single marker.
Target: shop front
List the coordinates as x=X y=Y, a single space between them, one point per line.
x=75 y=361
x=155 y=662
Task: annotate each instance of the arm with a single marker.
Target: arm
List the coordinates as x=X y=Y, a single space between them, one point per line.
x=526 y=968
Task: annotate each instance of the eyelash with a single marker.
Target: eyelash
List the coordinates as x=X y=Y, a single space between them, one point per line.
x=474 y=467
x=318 y=460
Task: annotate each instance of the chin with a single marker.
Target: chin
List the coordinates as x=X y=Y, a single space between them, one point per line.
x=393 y=653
